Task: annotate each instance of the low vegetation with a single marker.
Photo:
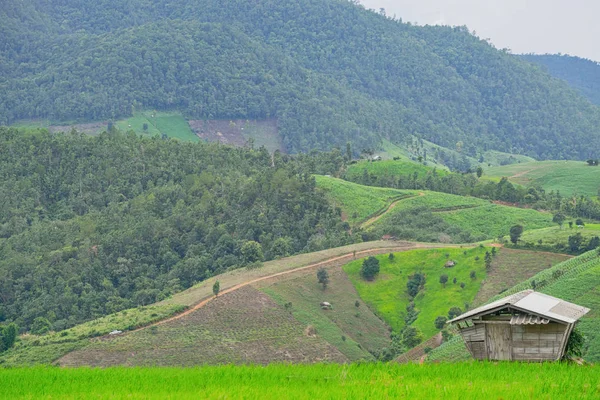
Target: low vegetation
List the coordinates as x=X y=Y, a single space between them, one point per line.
x=357 y=381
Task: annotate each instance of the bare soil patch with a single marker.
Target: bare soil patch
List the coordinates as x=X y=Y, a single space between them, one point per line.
x=92 y=128
x=237 y=132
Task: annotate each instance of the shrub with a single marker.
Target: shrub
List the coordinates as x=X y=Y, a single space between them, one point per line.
x=454 y=312
x=440 y=322
x=370 y=268
x=40 y=326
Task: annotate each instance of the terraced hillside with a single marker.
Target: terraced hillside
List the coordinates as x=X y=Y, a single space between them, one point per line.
x=568 y=177
x=425 y=215
x=576 y=280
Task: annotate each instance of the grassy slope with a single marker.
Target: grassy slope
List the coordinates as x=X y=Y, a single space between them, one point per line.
x=387 y=293
x=576 y=280
x=244 y=326
x=358 y=202
x=362 y=330
x=31 y=349
x=568 y=177
x=171 y=124
x=389 y=168
x=554 y=235
x=495 y=220
x=358 y=381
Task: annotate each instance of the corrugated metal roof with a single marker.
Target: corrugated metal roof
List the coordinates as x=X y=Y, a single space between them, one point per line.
x=535 y=303
x=525 y=319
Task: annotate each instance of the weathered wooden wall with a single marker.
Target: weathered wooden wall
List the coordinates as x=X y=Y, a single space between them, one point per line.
x=537 y=342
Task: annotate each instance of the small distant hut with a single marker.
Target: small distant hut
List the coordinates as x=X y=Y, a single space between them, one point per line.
x=526 y=326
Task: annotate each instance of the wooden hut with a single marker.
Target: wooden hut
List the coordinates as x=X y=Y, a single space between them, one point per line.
x=526 y=326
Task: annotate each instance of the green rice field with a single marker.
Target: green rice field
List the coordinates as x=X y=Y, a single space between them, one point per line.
x=326 y=381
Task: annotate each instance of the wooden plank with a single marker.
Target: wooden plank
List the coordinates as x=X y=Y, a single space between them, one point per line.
x=498 y=341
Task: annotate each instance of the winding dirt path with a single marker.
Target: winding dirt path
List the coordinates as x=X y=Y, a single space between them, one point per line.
x=376 y=218
x=331 y=262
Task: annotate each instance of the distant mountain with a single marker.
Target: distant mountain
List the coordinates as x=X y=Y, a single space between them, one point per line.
x=329 y=71
x=580 y=73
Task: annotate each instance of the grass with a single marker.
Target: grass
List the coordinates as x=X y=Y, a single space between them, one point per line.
x=495 y=220
x=242 y=327
x=510 y=267
x=32 y=349
x=172 y=124
x=389 y=168
x=360 y=381
x=576 y=280
x=355 y=331
x=387 y=295
x=568 y=177
x=358 y=202
x=555 y=238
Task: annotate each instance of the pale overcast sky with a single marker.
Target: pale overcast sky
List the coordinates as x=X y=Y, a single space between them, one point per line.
x=524 y=26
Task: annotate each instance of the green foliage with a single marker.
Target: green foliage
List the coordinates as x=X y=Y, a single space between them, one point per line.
x=559 y=219
x=323 y=277
x=440 y=322
x=575 y=344
x=134 y=220
x=40 y=326
x=582 y=74
x=8 y=336
x=388 y=296
x=444 y=279
x=278 y=381
x=216 y=288
x=515 y=233
x=370 y=268
x=415 y=283
x=396 y=81
x=454 y=312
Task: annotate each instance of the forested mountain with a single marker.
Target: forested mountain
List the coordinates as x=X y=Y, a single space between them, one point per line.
x=582 y=74
x=93 y=225
x=330 y=71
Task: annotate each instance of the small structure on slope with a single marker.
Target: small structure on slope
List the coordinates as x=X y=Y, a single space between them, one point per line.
x=526 y=326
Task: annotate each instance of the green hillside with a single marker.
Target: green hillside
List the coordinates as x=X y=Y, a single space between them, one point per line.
x=580 y=73
x=330 y=72
x=425 y=215
x=568 y=177
x=576 y=280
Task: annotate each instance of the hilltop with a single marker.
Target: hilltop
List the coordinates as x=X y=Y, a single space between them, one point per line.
x=324 y=73
x=580 y=73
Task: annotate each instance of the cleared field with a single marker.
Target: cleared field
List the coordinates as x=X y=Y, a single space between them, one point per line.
x=239 y=132
x=387 y=293
x=242 y=327
x=576 y=280
x=355 y=331
x=568 y=177
x=509 y=267
x=360 y=381
x=171 y=124
x=359 y=202
x=33 y=350
x=495 y=220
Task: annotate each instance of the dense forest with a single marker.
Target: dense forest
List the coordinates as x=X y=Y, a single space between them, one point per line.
x=582 y=74
x=330 y=71
x=93 y=225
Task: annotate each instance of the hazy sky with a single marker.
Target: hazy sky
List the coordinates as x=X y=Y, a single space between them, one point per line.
x=524 y=26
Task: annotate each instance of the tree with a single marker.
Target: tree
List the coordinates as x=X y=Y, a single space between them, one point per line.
x=444 y=279
x=488 y=259
x=252 y=252
x=323 y=277
x=145 y=127
x=8 y=336
x=479 y=172
x=575 y=242
x=515 y=233
x=411 y=337
x=559 y=219
x=216 y=288
x=348 y=151
x=454 y=312
x=579 y=222
x=370 y=268
x=473 y=275
x=40 y=326
x=593 y=243
x=391 y=257
x=440 y=322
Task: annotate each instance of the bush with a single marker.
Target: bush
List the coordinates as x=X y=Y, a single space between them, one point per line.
x=370 y=268
x=440 y=322
x=40 y=326
x=454 y=312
